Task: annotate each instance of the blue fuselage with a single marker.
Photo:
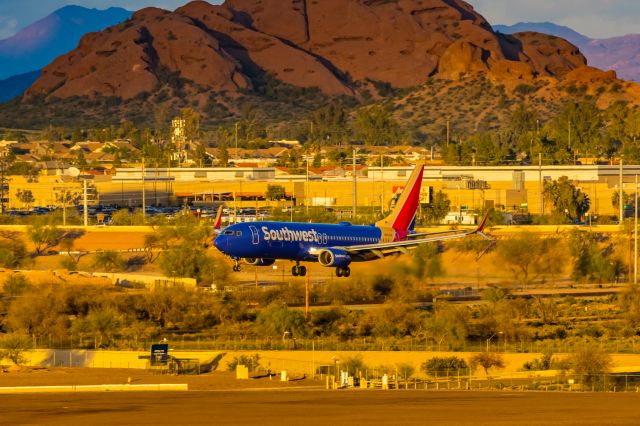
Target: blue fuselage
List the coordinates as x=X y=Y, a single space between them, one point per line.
x=291 y=241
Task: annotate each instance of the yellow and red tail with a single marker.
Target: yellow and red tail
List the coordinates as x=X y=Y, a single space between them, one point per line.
x=403 y=215
x=218 y=221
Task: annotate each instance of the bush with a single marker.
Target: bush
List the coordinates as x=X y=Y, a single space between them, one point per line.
x=251 y=362
x=452 y=363
x=15 y=285
x=109 y=261
x=405 y=370
x=353 y=364
x=14 y=346
x=590 y=361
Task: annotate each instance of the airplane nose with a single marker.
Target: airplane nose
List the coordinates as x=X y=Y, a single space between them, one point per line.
x=220 y=242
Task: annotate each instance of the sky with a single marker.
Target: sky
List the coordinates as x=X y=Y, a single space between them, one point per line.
x=593 y=18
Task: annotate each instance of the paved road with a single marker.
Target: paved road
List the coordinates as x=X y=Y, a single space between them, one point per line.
x=310 y=408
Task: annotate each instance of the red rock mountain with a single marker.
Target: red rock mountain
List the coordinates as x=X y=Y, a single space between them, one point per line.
x=329 y=44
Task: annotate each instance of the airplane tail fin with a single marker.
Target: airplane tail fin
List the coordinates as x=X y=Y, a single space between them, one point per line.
x=218 y=221
x=402 y=218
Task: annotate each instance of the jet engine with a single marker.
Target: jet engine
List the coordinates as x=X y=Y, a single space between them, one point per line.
x=334 y=257
x=259 y=262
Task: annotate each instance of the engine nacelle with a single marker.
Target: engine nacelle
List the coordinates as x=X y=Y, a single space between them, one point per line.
x=259 y=262
x=333 y=257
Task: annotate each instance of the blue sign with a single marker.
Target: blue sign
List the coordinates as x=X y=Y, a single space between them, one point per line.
x=159 y=354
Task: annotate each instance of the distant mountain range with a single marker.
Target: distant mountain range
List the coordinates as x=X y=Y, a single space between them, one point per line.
x=40 y=43
x=621 y=54
x=16 y=85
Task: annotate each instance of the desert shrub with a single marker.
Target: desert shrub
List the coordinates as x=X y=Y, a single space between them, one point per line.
x=16 y=284
x=405 y=369
x=69 y=264
x=438 y=364
x=249 y=361
x=589 y=361
x=109 y=261
x=14 y=346
x=353 y=364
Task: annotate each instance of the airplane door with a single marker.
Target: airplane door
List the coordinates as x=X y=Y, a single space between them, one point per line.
x=255 y=237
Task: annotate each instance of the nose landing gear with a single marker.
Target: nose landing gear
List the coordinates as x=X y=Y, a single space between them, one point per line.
x=343 y=271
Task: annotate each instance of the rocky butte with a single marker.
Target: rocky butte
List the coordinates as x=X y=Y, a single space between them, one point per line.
x=338 y=46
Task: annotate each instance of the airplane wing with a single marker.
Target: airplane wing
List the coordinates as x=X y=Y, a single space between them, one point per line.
x=382 y=250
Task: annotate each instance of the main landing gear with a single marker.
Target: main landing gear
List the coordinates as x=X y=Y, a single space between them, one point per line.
x=236 y=265
x=299 y=270
x=343 y=271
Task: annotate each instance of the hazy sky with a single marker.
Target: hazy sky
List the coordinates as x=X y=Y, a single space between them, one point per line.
x=594 y=18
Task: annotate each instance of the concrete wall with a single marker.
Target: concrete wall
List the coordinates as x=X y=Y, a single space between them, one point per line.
x=293 y=361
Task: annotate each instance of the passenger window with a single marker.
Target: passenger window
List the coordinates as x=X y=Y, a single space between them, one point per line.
x=238 y=233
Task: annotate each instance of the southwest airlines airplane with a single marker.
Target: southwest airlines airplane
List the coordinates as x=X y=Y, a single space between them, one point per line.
x=333 y=246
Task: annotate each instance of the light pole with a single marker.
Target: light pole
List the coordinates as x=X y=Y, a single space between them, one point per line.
x=492 y=336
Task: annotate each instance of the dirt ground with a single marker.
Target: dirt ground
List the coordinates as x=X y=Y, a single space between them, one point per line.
x=319 y=407
x=218 y=380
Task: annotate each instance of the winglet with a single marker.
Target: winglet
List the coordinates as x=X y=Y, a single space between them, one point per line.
x=482 y=224
x=218 y=221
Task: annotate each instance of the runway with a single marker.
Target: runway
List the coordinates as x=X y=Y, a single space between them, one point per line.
x=314 y=407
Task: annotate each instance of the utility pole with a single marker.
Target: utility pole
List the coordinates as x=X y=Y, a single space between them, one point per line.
x=144 y=196
x=448 y=132
x=355 y=187
x=306 y=193
x=620 y=195
x=540 y=184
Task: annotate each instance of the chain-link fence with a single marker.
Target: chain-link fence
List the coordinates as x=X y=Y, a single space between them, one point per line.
x=365 y=344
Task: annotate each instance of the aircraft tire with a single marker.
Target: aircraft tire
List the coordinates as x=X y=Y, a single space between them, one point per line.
x=302 y=271
x=339 y=272
x=346 y=272
x=295 y=271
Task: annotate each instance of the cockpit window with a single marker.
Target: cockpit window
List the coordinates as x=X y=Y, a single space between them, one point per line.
x=228 y=233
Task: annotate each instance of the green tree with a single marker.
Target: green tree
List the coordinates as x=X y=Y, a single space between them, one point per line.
x=523 y=255
x=108 y=261
x=25 y=196
x=443 y=365
x=102 y=323
x=376 y=126
x=44 y=236
x=14 y=346
x=437 y=209
x=590 y=361
x=615 y=199
x=223 y=155
x=566 y=198
x=449 y=325
x=275 y=192
x=13 y=251
x=486 y=360
x=593 y=259
x=277 y=320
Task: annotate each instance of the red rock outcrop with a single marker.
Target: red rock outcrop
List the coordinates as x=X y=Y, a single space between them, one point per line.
x=329 y=44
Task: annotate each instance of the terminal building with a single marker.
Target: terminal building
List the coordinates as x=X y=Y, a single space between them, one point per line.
x=511 y=188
